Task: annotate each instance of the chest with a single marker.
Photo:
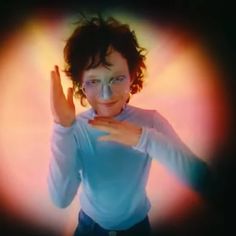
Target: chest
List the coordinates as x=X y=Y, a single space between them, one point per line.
x=108 y=157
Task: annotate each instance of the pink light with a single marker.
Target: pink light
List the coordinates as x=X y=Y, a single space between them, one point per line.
x=183 y=84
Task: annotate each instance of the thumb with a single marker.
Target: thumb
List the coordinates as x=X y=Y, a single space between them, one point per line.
x=70 y=96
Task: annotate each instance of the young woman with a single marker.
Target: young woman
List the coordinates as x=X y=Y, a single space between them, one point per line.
x=109 y=148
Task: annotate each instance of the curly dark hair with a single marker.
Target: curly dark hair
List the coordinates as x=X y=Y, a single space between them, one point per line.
x=92 y=39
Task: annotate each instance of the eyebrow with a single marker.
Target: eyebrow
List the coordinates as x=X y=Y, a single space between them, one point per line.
x=115 y=74
x=91 y=77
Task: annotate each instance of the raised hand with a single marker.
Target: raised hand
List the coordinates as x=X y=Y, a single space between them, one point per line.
x=62 y=107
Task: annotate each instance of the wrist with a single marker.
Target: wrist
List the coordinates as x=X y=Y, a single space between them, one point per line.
x=65 y=124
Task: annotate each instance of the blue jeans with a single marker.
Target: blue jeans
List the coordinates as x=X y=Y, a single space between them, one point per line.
x=88 y=227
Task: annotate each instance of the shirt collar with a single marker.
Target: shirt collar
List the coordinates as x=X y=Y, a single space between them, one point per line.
x=117 y=117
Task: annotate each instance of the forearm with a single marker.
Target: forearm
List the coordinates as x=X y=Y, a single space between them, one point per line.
x=63 y=177
x=177 y=158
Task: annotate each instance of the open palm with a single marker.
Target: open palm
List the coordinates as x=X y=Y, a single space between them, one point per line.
x=62 y=107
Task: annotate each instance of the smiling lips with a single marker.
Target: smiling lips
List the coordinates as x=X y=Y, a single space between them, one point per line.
x=108 y=104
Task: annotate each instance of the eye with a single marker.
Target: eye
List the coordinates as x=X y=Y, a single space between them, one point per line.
x=118 y=79
x=92 y=82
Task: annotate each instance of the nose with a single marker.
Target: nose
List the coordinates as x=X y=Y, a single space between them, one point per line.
x=106 y=92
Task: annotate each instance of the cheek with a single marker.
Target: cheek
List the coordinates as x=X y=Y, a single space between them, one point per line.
x=91 y=101
x=126 y=93
x=123 y=98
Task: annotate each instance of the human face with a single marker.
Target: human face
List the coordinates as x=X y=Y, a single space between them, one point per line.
x=107 y=88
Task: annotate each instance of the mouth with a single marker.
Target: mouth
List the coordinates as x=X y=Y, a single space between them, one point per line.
x=107 y=104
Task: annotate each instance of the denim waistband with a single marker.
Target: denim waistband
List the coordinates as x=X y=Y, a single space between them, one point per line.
x=142 y=227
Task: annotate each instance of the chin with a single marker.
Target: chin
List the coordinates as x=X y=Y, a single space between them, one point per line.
x=109 y=112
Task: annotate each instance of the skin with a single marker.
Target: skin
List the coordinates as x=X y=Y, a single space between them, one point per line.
x=63 y=108
x=112 y=106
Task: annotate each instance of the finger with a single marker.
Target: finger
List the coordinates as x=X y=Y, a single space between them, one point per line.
x=104 y=127
x=107 y=123
x=56 y=81
x=104 y=118
x=55 y=76
x=70 y=96
x=56 y=68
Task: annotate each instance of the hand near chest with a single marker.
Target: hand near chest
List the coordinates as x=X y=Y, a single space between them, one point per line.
x=122 y=132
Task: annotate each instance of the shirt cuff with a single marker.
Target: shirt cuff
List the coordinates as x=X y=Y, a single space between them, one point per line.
x=143 y=140
x=58 y=128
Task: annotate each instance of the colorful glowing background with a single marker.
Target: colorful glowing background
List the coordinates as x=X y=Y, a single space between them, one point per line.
x=184 y=83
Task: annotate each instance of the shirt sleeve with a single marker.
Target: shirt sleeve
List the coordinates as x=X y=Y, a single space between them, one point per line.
x=63 y=177
x=162 y=143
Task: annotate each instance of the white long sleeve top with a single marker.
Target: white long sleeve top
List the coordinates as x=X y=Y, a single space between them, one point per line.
x=114 y=176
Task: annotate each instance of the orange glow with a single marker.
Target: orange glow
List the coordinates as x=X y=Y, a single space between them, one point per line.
x=182 y=83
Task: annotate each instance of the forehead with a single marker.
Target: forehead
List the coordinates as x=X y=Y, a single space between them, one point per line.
x=118 y=66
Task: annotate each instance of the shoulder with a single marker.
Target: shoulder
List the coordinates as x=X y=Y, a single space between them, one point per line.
x=141 y=115
x=153 y=113
x=140 y=110
x=159 y=118
x=152 y=117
